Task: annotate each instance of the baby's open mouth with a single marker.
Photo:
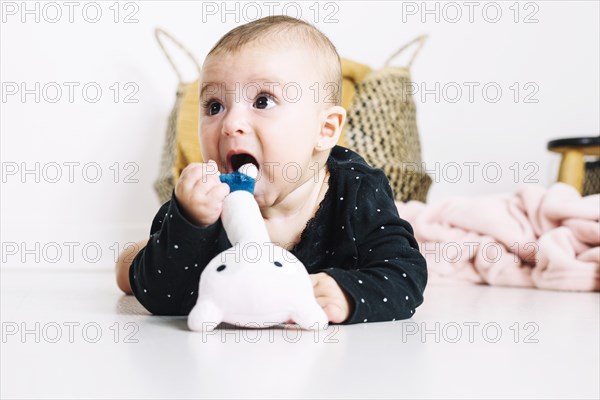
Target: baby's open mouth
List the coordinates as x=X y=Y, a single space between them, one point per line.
x=237 y=160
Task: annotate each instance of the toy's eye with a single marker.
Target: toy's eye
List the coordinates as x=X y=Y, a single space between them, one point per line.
x=221 y=268
x=278 y=264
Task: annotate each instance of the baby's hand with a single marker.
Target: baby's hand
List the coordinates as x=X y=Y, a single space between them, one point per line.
x=330 y=297
x=200 y=193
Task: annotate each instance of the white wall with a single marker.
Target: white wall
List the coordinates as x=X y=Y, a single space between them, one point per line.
x=558 y=55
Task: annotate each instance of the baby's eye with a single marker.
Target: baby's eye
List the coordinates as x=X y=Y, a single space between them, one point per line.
x=264 y=102
x=213 y=107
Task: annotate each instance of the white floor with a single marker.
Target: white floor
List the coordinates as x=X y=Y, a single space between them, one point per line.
x=69 y=333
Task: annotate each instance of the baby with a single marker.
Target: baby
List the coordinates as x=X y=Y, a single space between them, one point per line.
x=270 y=95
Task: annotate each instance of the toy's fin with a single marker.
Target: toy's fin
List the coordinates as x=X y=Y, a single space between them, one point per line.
x=311 y=318
x=205 y=316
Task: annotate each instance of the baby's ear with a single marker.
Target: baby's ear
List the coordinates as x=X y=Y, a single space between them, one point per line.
x=333 y=119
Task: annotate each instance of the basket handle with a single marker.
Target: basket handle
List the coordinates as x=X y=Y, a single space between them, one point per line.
x=420 y=40
x=159 y=34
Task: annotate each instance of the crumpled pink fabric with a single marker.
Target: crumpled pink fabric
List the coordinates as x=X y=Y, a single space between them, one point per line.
x=536 y=237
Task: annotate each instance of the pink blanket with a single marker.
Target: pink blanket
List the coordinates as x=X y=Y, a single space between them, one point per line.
x=536 y=237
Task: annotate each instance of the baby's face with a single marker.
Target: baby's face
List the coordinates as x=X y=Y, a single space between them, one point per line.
x=262 y=105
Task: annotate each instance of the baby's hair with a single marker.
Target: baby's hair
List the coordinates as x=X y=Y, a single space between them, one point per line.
x=277 y=27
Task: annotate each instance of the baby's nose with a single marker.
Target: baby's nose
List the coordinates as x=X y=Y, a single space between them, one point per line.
x=235 y=123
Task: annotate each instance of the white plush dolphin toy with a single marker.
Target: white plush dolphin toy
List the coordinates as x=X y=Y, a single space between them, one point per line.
x=254 y=284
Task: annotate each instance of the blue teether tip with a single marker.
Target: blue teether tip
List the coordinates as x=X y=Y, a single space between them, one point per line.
x=238 y=181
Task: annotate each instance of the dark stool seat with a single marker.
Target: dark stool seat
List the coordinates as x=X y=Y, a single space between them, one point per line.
x=572 y=165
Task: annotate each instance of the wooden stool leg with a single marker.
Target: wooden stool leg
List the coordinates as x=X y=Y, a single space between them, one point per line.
x=572 y=168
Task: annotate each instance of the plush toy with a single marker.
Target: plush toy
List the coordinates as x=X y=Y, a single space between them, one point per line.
x=255 y=283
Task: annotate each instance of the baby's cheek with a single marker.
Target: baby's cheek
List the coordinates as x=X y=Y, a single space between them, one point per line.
x=210 y=151
x=209 y=141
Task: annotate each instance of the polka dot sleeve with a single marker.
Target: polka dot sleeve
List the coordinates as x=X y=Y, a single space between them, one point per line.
x=387 y=274
x=165 y=275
